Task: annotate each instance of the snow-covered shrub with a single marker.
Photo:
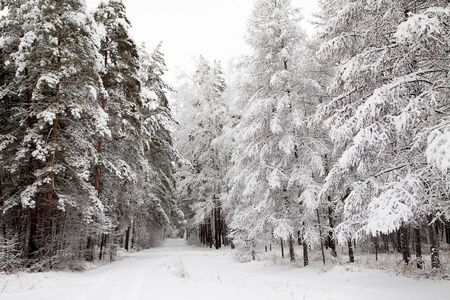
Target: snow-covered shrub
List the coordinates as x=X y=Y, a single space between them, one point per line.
x=10 y=253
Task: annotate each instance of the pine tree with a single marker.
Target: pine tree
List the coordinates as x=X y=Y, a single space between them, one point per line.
x=122 y=154
x=57 y=76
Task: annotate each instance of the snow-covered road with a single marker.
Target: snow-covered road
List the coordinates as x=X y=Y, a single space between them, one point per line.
x=178 y=271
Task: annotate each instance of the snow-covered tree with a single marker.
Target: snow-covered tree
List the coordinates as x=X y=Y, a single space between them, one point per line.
x=121 y=155
x=158 y=185
x=278 y=160
x=57 y=76
x=389 y=93
x=201 y=122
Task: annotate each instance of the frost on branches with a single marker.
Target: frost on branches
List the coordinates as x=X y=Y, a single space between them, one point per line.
x=387 y=118
x=277 y=159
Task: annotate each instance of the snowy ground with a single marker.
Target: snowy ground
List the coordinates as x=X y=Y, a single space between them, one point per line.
x=178 y=271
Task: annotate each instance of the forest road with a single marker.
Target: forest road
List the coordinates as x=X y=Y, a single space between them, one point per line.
x=178 y=271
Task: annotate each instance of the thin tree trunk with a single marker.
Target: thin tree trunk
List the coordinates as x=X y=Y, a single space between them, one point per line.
x=291 y=248
x=209 y=230
x=377 y=246
x=404 y=240
x=253 y=250
x=351 y=254
x=282 y=248
x=321 y=238
x=102 y=246
x=127 y=238
x=90 y=249
x=418 y=247
x=305 y=253
x=435 y=261
x=398 y=242
x=217 y=227
x=331 y=241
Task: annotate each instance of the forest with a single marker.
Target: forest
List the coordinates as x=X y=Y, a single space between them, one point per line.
x=336 y=141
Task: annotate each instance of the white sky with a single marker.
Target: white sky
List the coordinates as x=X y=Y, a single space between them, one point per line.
x=188 y=28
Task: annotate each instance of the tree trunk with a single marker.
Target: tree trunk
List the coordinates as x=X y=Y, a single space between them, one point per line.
x=351 y=254
x=282 y=248
x=331 y=241
x=377 y=246
x=291 y=248
x=321 y=238
x=102 y=246
x=128 y=238
x=217 y=227
x=90 y=249
x=418 y=248
x=404 y=241
x=435 y=261
x=210 y=233
x=253 y=250
x=385 y=243
x=305 y=253
x=398 y=244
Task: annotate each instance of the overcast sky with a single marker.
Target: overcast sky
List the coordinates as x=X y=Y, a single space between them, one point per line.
x=188 y=28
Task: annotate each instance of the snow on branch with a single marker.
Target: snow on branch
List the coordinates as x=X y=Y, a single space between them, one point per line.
x=396 y=205
x=438 y=149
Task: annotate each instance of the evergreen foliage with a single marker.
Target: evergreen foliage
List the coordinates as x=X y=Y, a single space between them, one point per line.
x=72 y=109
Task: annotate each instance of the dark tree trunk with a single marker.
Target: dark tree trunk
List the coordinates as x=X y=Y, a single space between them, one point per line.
x=404 y=239
x=398 y=245
x=217 y=228
x=418 y=247
x=291 y=249
x=321 y=237
x=127 y=238
x=435 y=261
x=210 y=233
x=385 y=243
x=102 y=246
x=282 y=248
x=331 y=241
x=253 y=250
x=305 y=253
x=447 y=233
x=377 y=246
x=351 y=254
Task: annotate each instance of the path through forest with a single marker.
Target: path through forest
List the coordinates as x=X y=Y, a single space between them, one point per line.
x=179 y=271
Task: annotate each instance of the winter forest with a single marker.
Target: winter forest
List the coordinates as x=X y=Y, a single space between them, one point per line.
x=324 y=147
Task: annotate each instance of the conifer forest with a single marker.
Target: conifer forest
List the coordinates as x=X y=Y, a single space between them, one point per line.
x=326 y=146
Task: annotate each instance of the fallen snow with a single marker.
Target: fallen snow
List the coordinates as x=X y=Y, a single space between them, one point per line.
x=178 y=271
